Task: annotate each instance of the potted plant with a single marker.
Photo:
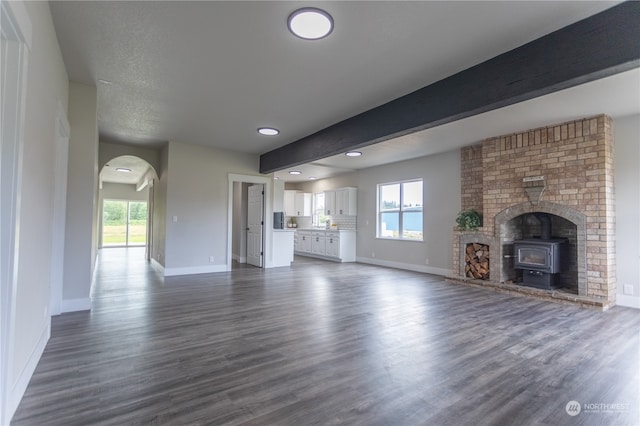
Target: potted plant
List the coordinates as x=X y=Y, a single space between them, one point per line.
x=469 y=220
x=292 y=222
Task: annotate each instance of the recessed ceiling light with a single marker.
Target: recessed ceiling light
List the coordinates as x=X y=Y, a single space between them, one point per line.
x=353 y=154
x=310 y=23
x=123 y=169
x=312 y=178
x=107 y=82
x=295 y=172
x=268 y=131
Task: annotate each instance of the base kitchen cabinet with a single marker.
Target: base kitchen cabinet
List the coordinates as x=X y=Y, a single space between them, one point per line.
x=336 y=245
x=332 y=247
x=303 y=242
x=318 y=243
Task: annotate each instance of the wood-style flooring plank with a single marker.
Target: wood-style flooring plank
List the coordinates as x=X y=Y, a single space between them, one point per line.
x=327 y=343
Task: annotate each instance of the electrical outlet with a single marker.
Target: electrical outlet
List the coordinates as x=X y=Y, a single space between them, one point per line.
x=627 y=290
x=175 y=219
x=210 y=259
x=426 y=261
x=373 y=254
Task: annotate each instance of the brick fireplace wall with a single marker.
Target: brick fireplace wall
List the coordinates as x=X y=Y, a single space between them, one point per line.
x=575 y=161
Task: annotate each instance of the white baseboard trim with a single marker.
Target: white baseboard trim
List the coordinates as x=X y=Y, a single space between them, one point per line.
x=191 y=270
x=628 y=301
x=407 y=266
x=74 y=305
x=17 y=392
x=157 y=266
x=239 y=259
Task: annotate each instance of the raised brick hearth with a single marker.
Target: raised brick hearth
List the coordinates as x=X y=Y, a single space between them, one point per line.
x=565 y=170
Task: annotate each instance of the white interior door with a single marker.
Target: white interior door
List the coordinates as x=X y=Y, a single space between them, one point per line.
x=255 y=225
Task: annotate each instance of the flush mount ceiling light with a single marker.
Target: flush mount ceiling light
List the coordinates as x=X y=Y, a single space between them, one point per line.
x=268 y=131
x=295 y=172
x=353 y=154
x=123 y=169
x=310 y=23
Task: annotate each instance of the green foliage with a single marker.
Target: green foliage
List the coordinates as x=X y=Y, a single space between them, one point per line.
x=114 y=212
x=138 y=212
x=469 y=220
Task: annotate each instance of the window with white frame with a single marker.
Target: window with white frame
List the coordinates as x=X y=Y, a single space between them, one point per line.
x=400 y=210
x=319 y=218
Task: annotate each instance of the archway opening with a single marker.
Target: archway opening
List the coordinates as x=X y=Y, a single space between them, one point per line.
x=126 y=198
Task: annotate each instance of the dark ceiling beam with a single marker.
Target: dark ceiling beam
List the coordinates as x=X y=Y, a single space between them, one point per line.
x=599 y=46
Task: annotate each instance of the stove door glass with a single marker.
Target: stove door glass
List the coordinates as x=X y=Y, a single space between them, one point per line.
x=533 y=256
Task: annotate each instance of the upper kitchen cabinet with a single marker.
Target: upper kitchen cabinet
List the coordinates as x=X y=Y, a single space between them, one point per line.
x=303 y=203
x=341 y=202
x=289 y=202
x=329 y=203
x=297 y=203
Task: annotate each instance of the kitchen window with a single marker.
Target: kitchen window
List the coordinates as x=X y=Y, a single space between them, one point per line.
x=400 y=210
x=319 y=219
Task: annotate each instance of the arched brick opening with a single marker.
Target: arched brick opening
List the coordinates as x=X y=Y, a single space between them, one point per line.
x=505 y=235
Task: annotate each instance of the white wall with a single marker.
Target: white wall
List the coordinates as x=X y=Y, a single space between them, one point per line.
x=122 y=191
x=47 y=87
x=278 y=196
x=441 y=180
x=82 y=178
x=627 y=181
x=441 y=186
x=197 y=195
x=159 y=231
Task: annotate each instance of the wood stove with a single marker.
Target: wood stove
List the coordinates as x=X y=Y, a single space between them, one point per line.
x=540 y=260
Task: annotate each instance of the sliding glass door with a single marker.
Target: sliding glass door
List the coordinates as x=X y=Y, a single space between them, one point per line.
x=124 y=223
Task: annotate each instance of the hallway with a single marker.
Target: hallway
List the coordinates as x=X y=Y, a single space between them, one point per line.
x=324 y=342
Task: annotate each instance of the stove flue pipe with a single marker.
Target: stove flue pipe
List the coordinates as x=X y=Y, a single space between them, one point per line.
x=545 y=225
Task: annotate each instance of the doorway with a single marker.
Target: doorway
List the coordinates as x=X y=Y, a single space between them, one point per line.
x=238 y=220
x=124 y=223
x=255 y=225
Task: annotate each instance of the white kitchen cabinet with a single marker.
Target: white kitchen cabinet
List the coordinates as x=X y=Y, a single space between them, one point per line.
x=341 y=202
x=318 y=243
x=290 y=202
x=297 y=203
x=283 y=242
x=303 y=204
x=329 y=203
x=346 y=202
x=303 y=242
x=334 y=245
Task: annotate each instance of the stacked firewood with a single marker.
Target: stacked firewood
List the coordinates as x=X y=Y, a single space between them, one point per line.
x=477 y=259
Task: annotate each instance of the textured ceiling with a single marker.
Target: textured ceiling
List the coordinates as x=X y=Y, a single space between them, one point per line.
x=210 y=73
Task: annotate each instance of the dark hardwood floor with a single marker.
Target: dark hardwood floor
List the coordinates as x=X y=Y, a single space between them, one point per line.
x=327 y=343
